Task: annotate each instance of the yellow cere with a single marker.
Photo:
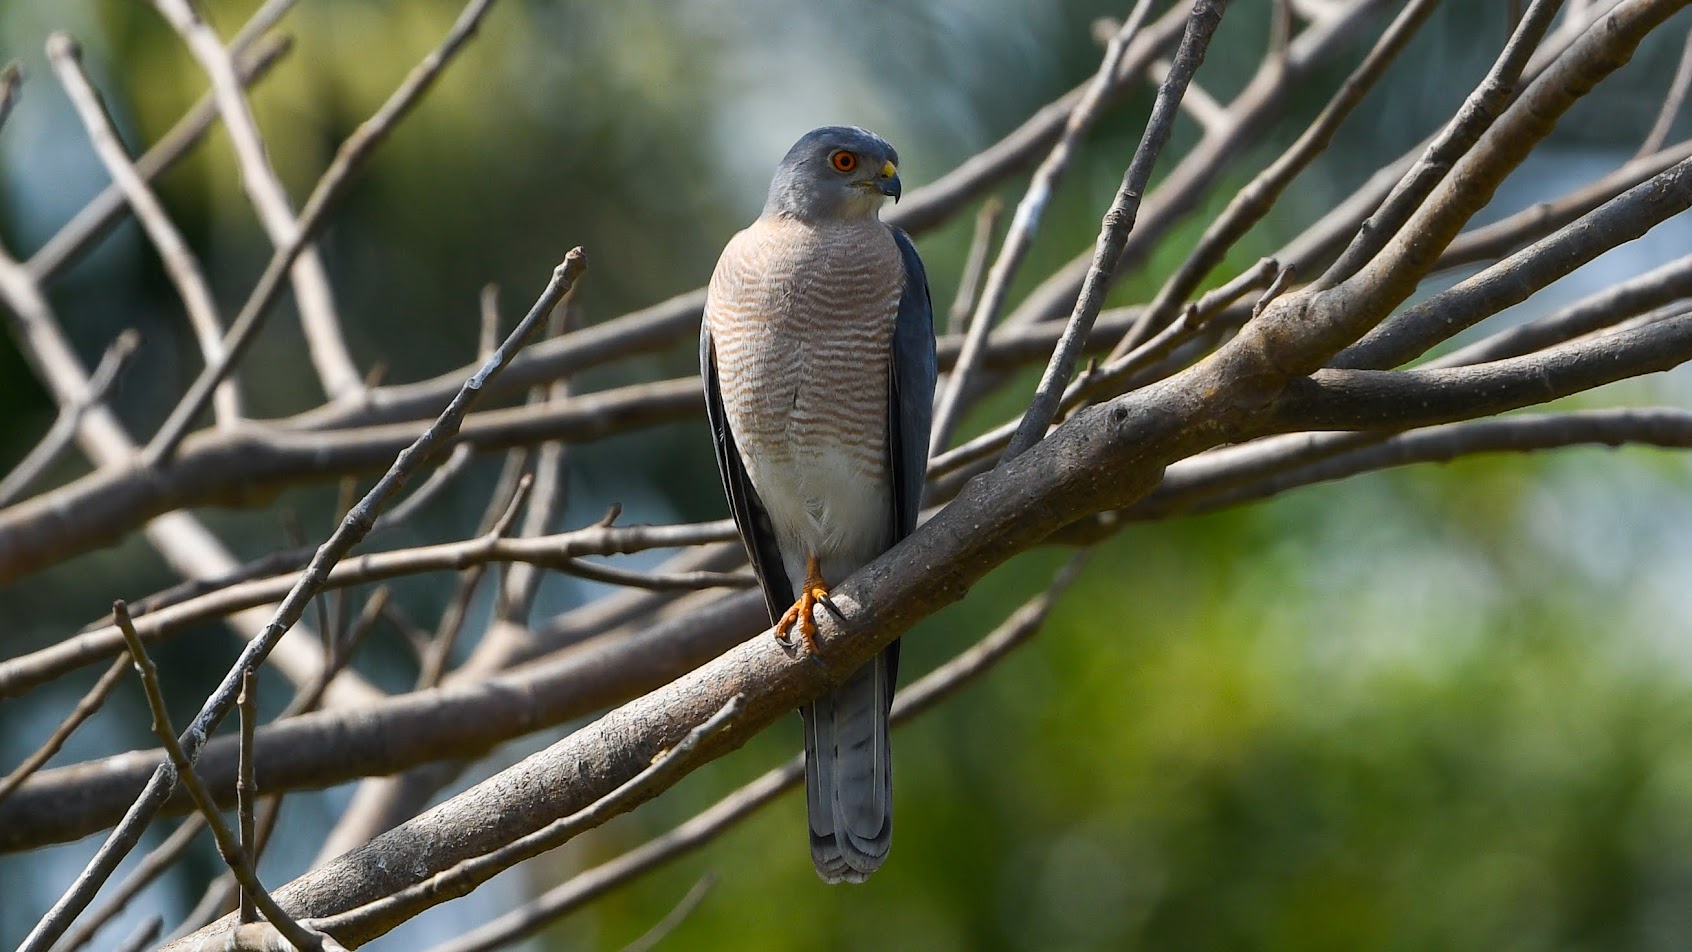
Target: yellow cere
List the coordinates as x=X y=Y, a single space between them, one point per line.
x=888 y=170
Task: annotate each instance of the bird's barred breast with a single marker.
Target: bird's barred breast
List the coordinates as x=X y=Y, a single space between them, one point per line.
x=802 y=321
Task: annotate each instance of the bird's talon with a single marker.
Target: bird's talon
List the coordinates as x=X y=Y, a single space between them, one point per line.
x=798 y=615
x=833 y=609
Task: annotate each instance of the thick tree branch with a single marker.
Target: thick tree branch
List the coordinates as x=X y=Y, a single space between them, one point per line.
x=1409 y=334
x=707 y=825
x=1399 y=399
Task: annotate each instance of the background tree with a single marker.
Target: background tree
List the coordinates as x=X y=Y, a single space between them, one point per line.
x=1434 y=706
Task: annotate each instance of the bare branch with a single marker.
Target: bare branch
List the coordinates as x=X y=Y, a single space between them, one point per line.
x=293 y=243
x=357 y=523
x=1399 y=399
x=1518 y=277
x=102 y=213
x=179 y=537
x=227 y=844
x=84 y=709
x=246 y=788
x=463 y=718
x=1118 y=222
x=931 y=205
x=1252 y=202
x=1473 y=119
x=1110 y=379
x=322 y=327
x=561 y=551
x=1500 y=237
x=1026 y=220
x=1323 y=321
x=1646 y=426
x=179 y=261
x=675 y=917
x=230 y=468
x=1672 y=101
x=377 y=918
x=1181 y=191
x=64 y=427
x=152 y=866
x=975 y=265
x=1656 y=288
x=705 y=826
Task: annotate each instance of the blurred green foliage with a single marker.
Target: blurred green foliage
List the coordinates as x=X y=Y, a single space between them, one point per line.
x=1442 y=708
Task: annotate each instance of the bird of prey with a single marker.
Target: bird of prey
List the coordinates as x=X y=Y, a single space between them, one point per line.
x=817 y=353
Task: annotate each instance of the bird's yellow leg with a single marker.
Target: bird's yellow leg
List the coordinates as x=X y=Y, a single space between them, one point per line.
x=811 y=594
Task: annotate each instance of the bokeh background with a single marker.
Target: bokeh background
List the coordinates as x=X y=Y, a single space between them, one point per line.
x=1446 y=707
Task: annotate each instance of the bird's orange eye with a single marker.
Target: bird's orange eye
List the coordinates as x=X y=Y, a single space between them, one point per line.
x=843 y=161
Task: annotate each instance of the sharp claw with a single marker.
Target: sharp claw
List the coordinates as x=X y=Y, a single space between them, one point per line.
x=833 y=609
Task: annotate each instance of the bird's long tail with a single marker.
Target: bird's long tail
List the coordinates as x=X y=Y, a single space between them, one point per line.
x=849 y=773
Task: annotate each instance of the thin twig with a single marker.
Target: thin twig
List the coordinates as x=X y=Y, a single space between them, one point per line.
x=1276 y=288
x=123 y=838
x=1118 y=222
x=503 y=507
x=63 y=430
x=1672 y=101
x=84 y=709
x=348 y=158
x=246 y=787
x=227 y=844
x=142 y=937
x=442 y=476
x=655 y=581
x=180 y=264
x=675 y=917
x=1024 y=222
x=975 y=265
x=157 y=861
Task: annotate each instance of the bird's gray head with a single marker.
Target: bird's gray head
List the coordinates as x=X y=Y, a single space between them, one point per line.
x=832 y=173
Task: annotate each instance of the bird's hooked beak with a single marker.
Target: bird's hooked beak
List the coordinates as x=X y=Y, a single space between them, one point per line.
x=887 y=182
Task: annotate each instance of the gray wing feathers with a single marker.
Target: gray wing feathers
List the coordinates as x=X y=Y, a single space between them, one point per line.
x=911 y=409
x=748 y=510
x=848 y=757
